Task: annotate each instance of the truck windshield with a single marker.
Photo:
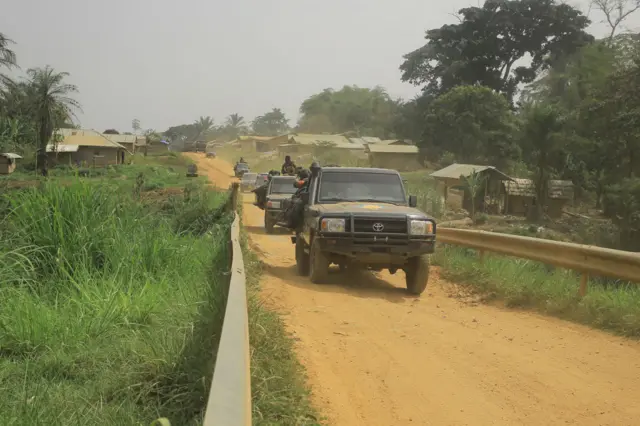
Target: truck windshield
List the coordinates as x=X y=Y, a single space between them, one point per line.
x=345 y=186
x=283 y=186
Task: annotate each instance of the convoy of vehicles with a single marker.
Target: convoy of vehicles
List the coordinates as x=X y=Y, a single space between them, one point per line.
x=280 y=189
x=248 y=181
x=240 y=169
x=356 y=218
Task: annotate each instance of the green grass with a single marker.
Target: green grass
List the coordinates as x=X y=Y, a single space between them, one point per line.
x=110 y=305
x=609 y=305
x=279 y=390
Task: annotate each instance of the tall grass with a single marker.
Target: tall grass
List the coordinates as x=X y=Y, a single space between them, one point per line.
x=528 y=284
x=109 y=309
x=423 y=187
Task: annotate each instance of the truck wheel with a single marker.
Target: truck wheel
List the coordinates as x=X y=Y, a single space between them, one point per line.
x=319 y=264
x=302 y=258
x=268 y=224
x=417 y=274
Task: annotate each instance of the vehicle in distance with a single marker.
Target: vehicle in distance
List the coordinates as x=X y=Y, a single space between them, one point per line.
x=248 y=181
x=280 y=188
x=240 y=169
x=362 y=217
x=210 y=154
x=261 y=179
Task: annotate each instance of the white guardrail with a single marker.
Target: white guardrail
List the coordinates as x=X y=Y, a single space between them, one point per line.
x=588 y=260
x=229 y=401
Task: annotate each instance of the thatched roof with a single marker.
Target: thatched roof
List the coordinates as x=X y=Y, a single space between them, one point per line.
x=558 y=189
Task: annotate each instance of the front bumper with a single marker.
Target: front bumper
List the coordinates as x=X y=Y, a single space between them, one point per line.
x=359 y=245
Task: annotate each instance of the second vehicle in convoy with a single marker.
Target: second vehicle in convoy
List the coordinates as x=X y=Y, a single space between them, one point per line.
x=280 y=188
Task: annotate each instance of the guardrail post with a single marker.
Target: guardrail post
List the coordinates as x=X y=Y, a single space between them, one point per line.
x=584 y=281
x=233 y=200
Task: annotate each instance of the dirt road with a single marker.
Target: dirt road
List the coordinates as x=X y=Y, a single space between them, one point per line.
x=376 y=356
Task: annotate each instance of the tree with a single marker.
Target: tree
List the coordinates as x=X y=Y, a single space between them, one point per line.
x=234 y=126
x=542 y=144
x=366 y=112
x=52 y=104
x=7 y=56
x=202 y=126
x=135 y=125
x=272 y=123
x=615 y=12
x=111 y=132
x=473 y=184
x=474 y=123
x=485 y=45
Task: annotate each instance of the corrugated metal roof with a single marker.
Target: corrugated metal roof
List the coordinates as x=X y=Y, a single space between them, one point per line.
x=252 y=138
x=122 y=138
x=62 y=148
x=365 y=140
x=558 y=189
x=393 y=142
x=90 y=140
x=352 y=146
x=310 y=139
x=10 y=155
x=396 y=149
x=456 y=170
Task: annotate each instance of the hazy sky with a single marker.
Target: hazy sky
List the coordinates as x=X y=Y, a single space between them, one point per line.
x=168 y=62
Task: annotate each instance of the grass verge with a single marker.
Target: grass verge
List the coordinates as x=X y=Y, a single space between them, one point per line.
x=110 y=305
x=280 y=394
x=522 y=283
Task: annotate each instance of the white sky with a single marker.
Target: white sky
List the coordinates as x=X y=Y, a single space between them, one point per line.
x=169 y=62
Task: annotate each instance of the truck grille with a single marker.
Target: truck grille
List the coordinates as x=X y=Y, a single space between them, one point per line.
x=390 y=226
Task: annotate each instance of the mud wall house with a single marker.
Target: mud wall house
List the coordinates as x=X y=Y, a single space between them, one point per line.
x=129 y=142
x=8 y=163
x=397 y=157
x=490 y=197
x=85 y=148
x=521 y=196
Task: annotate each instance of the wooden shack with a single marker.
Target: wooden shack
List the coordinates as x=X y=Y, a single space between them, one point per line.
x=521 y=196
x=489 y=198
x=8 y=162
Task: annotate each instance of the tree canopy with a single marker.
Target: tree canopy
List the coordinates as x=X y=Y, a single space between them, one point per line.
x=485 y=46
x=271 y=123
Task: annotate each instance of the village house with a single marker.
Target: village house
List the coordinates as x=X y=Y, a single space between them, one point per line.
x=85 y=148
x=397 y=157
x=521 y=196
x=8 y=162
x=489 y=197
x=132 y=143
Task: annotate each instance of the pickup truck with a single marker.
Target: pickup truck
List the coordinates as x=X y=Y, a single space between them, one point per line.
x=240 y=169
x=362 y=217
x=280 y=188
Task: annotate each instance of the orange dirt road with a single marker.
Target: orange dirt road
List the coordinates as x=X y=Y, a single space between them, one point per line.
x=376 y=356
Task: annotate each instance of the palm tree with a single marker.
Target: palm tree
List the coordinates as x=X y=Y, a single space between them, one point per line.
x=52 y=104
x=7 y=56
x=235 y=125
x=203 y=125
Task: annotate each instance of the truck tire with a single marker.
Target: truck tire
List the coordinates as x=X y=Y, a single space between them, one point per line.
x=302 y=258
x=268 y=224
x=417 y=274
x=319 y=264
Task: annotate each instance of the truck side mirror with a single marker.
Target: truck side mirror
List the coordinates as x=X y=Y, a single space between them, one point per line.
x=305 y=197
x=413 y=201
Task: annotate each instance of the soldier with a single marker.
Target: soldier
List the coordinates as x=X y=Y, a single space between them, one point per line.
x=288 y=167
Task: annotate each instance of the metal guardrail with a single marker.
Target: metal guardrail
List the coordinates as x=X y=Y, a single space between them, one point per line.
x=229 y=401
x=588 y=260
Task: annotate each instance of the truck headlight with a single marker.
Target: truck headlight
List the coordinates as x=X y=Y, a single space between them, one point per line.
x=273 y=204
x=332 y=225
x=420 y=227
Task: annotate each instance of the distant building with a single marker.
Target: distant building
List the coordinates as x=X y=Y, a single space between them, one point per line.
x=397 y=157
x=85 y=148
x=8 y=163
x=521 y=196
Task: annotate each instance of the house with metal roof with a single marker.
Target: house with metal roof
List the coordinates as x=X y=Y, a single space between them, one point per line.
x=521 y=196
x=489 y=198
x=85 y=148
x=398 y=157
x=131 y=143
x=8 y=162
